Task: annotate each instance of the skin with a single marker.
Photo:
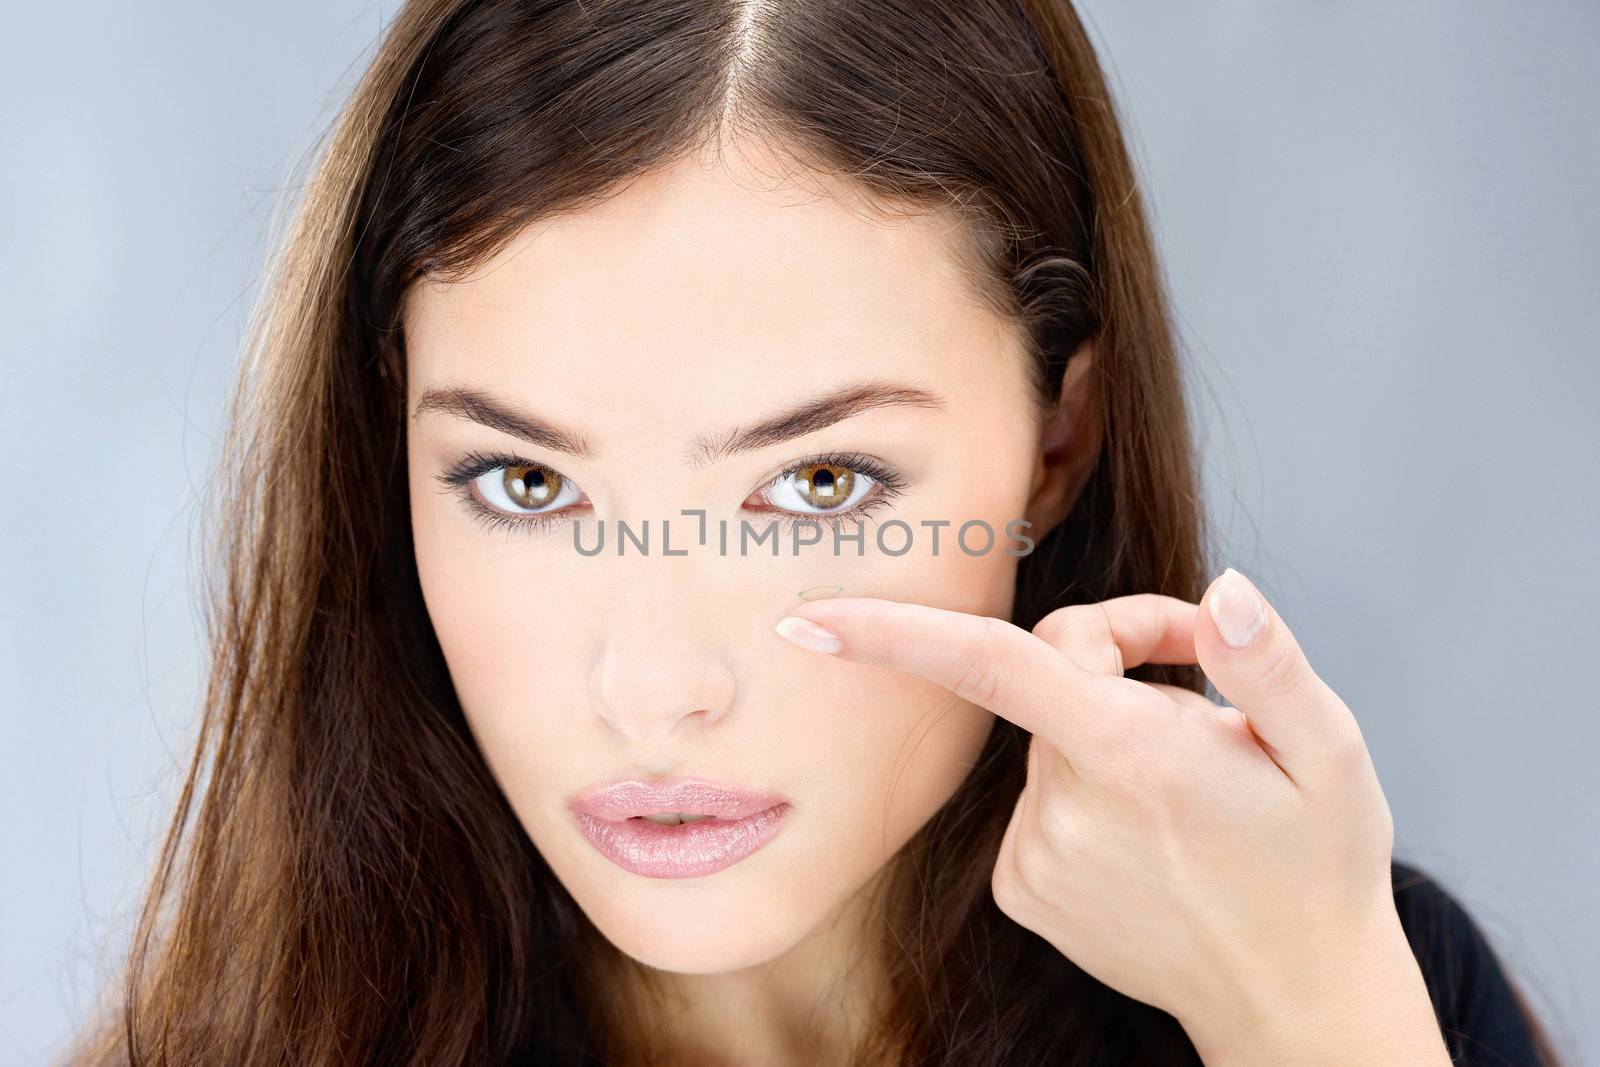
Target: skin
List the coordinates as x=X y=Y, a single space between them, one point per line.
x=703 y=298
x=1226 y=864
x=1229 y=865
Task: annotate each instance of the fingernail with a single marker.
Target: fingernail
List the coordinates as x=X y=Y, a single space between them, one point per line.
x=808 y=634
x=1236 y=608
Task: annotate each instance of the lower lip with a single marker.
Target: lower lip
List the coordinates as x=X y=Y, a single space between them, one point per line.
x=688 y=850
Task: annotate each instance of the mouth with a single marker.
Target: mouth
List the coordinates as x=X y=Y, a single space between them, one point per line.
x=673 y=818
x=686 y=829
x=695 y=798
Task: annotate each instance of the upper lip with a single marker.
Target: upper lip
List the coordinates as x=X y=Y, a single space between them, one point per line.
x=628 y=797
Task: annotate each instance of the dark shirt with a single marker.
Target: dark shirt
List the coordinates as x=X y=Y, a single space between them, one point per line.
x=1482 y=1023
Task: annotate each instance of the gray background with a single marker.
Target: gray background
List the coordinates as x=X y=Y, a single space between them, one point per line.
x=1379 y=227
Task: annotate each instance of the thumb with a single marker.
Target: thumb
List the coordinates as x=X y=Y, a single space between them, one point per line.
x=1248 y=653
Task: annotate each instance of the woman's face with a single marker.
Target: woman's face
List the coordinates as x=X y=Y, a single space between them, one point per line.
x=700 y=303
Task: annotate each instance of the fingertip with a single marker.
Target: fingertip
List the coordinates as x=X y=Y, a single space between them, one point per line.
x=1237 y=609
x=808 y=634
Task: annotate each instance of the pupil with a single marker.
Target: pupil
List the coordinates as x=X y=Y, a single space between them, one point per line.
x=532 y=485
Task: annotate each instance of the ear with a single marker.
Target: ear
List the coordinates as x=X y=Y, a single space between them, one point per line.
x=1069 y=445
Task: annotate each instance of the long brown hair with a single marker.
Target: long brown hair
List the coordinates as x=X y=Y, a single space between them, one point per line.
x=343 y=882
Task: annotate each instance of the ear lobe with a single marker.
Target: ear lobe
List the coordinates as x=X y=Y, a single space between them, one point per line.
x=1069 y=445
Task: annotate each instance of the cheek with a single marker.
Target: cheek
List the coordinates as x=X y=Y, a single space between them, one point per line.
x=490 y=602
x=880 y=750
x=889 y=755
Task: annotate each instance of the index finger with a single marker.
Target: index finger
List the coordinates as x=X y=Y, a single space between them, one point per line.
x=988 y=661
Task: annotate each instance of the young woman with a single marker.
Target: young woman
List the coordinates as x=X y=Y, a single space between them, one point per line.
x=474 y=785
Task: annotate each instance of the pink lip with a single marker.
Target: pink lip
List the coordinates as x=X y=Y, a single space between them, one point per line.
x=742 y=821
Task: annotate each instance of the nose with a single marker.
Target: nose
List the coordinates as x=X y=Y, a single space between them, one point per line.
x=657 y=670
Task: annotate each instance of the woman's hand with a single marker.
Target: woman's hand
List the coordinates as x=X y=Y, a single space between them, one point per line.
x=1229 y=865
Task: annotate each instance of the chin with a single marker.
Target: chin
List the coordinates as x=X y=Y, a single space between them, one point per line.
x=700 y=926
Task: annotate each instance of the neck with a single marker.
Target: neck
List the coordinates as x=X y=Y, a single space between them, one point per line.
x=812 y=1005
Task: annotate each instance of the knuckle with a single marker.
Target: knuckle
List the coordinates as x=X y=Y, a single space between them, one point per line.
x=977 y=669
x=1056 y=825
x=1347 y=750
x=1285 y=674
x=1054 y=625
x=1035 y=871
x=1080 y=631
x=1386 y=828
x=1006 y=887
x=1063 y=626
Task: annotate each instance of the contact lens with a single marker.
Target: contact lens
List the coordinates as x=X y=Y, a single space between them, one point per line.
x=821 y=592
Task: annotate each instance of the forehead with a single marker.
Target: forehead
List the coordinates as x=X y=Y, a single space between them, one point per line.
x=705 y=284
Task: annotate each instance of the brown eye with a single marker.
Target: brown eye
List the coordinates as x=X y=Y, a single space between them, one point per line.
x=823 y=485
x=820 y=488
x=531 y=487
x=525 y=489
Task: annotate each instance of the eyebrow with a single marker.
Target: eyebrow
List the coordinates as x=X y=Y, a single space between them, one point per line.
x=821 y=411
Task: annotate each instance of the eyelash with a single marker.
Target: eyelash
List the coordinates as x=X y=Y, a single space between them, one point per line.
x=888 y=484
